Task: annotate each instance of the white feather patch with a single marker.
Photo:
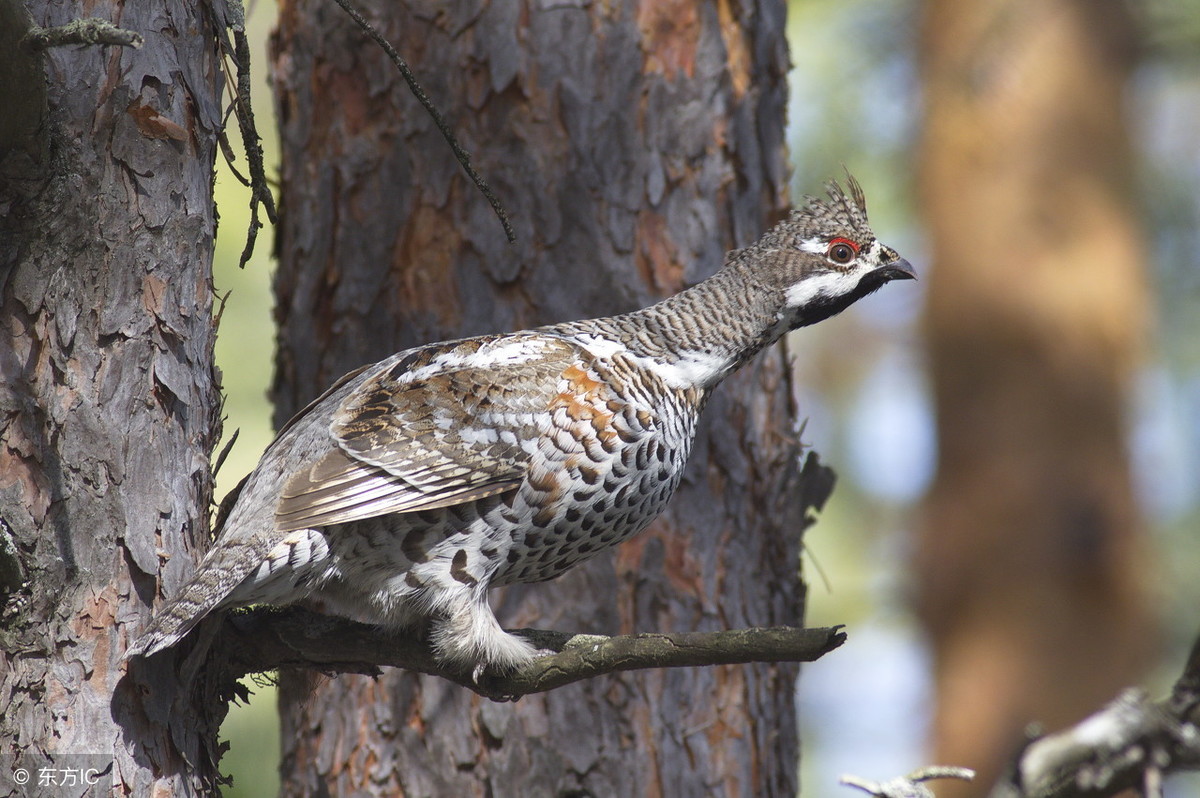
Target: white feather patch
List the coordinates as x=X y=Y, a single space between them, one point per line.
x=487 y=356
x=691 y=370
x=602 y=348
x=827 y=286
x=817 y=246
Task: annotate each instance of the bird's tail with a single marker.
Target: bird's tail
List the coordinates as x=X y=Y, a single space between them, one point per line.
x=174 y=621
x=209 y=589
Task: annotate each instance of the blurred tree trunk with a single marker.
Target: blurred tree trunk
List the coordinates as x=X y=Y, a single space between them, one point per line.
x=108 y=399
x=633 y=143
x=1030 y=556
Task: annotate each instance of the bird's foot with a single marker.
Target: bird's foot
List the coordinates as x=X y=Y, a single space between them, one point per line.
x=489 y=679
x=478 y=672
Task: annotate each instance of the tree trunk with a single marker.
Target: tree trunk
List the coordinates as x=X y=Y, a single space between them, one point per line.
x=1030 y=554
x=632 y=144
x=108 y=399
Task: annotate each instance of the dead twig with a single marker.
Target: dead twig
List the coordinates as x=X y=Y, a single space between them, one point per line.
x=260 y=191
x=910 y=786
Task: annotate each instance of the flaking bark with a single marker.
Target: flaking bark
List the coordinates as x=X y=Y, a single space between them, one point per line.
x=632 y=145
x=108 y=400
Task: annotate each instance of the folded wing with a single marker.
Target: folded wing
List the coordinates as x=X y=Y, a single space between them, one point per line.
x=441 y=426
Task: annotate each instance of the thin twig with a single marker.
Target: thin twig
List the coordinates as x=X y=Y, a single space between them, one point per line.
x=260 y=190
x=225 y=451
x=461 y=154
x=910 y=786
x=228 y=153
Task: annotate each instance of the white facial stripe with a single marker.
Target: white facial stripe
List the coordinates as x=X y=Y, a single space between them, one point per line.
x=829 y=284
x=816 y=246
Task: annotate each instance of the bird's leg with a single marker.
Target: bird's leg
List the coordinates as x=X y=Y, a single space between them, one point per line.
x=469 y=635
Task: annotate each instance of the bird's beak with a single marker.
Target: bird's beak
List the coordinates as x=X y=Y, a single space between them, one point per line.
x=898 y=270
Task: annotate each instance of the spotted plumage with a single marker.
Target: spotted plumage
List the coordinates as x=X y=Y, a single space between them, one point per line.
x=415 y=484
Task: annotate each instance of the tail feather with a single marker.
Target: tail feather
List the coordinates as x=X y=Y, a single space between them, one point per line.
x=222 y=570
x=172 y=623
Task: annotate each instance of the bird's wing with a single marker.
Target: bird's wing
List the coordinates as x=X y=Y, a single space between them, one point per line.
x=439 y=426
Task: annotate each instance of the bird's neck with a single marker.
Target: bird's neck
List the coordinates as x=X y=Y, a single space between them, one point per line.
x=699 y=336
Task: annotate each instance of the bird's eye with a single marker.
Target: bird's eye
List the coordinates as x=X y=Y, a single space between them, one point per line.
x=841 y=250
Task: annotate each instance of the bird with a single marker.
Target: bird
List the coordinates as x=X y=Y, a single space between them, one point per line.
x=414 y=485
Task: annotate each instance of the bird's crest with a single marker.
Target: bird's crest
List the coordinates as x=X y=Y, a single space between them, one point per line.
x=841 y=214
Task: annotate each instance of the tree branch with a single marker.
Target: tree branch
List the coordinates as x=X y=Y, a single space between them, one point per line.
x=266 y=639
x=1131 y=742
x=12 y=572
x=23 y=96
x=82 y=31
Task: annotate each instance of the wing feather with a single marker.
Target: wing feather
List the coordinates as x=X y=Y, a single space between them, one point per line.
x=364 y=491
x=427 y=431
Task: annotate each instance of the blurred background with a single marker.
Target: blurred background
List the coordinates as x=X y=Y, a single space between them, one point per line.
x=1017 y=438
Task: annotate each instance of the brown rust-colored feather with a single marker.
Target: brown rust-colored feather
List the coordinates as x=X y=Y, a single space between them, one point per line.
x=430 y=433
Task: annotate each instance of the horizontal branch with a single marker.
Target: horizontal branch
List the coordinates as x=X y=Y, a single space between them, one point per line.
x=265 y=639
x=911 y=786
x=82 y=31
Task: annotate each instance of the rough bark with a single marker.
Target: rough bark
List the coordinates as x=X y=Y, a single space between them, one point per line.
x=108 y=403
x=1029 y=558
x=632 y=143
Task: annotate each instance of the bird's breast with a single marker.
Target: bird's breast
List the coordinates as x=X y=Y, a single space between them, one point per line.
x=612 y=456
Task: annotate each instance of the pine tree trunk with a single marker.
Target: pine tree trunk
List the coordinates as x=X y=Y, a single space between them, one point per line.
x=1030 y=556
x=108 y=401
x=633 y=144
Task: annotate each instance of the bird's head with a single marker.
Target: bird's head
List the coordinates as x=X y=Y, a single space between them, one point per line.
x=823 y=258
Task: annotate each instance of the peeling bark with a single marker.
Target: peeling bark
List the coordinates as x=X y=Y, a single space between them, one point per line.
x=108 y=401
x=632 y=144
